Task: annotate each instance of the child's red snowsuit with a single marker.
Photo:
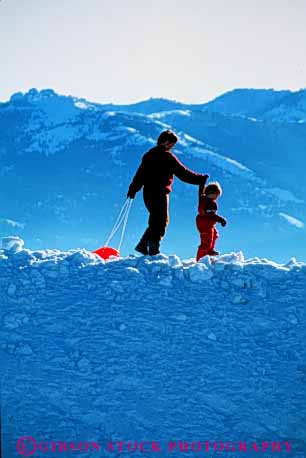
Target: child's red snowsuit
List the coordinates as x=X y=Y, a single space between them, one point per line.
x=206 y=220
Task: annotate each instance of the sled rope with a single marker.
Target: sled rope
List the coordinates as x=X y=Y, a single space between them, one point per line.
x=117 y=223
x=121 y=218
x=125 y=222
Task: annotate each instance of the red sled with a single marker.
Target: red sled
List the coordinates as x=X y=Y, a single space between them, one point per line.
x=105 y=252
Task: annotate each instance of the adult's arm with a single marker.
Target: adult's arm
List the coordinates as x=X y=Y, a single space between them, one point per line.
x=138 y=181
x=187 y=175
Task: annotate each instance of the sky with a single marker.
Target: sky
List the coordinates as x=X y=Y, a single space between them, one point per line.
x=123 y=51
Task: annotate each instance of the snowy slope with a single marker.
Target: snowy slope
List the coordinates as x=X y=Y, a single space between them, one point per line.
x=261 y=104
x=152 y=105
x=151 y=349
x=273 y=150
x=66 y=163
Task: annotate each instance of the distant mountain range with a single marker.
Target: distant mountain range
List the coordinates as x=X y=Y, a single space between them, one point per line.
x=66 y=163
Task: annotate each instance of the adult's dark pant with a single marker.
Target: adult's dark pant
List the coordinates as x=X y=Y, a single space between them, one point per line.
x=158 y=207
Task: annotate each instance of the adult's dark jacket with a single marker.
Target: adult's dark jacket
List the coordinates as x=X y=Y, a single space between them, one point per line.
x=156 y=173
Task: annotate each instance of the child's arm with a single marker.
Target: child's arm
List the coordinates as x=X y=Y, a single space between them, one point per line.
x=201 y=190
x=211 y=211
x=201 y=199
x=209 y=207
x=221 y=220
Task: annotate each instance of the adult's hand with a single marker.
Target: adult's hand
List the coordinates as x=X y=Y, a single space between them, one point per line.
x=223 y=222
x=205 y=178
x=130 y=195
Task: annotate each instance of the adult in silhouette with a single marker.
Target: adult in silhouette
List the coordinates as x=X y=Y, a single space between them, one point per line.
x=155 y=174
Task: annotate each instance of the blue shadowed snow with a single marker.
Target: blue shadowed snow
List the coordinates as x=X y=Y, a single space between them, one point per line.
x=151 y=348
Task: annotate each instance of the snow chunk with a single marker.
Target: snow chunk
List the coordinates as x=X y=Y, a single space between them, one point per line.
x=180 y=317
x=174 y=261
x=239 y=299
x=11 y=290
x=24 y=349
x=235 y=261
x=165 y=280
x=12 y=244
x=199 y=272
x=83 y=258
x=206 y=261
x=293 y=263
x=13 y=321
x=231 y=258
x=211 y=336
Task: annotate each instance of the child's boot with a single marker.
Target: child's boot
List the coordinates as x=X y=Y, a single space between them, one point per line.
x=213 y=253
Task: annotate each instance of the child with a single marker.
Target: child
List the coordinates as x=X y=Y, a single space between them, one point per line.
x=207 y=218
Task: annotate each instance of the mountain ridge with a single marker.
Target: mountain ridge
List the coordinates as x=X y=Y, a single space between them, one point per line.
x=265 y=101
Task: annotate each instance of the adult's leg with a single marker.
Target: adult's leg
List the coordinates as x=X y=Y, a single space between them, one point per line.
x=142 y=245
x=158 y=207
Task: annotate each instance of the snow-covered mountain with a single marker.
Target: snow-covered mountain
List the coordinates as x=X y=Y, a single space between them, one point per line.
x=262 y=104
x=151 y=349
x=66 y=164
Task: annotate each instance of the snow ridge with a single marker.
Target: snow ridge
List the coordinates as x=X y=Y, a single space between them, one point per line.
x=152 y=348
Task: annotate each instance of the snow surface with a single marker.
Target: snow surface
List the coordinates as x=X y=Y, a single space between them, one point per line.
x=162 y=114
x=291 y=220
x=151 y=348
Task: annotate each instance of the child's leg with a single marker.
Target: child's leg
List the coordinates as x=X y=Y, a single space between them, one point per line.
x=215 y=235
x=206 y=236
x=204 y=247
x=200 y=253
